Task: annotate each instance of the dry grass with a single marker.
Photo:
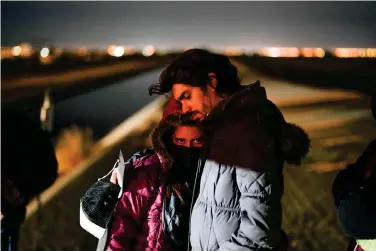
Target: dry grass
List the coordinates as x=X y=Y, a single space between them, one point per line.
x=73 y=145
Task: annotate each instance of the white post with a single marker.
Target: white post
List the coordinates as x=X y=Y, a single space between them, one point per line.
x=47 y=112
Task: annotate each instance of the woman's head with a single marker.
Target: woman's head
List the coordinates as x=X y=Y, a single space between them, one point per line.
x=187 y=140
x=184 y=142
x=177 y=137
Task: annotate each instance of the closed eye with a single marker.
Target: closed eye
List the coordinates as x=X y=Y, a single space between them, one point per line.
x=184 y=95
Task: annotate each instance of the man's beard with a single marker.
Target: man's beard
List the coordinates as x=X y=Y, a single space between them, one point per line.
x=206 y=108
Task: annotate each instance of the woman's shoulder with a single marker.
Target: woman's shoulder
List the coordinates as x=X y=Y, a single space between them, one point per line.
x=146 y=161
x=146 y=175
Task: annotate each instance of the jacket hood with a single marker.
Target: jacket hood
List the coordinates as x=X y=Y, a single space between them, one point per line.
x=251 y=103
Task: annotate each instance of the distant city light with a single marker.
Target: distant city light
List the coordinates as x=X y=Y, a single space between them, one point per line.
x=110 y=49
x=233 y=51
x=293 y=52
x=274 y=52
x=319 y=52
x=45 y=52
x=355 y=52
x=362 y=53
x=46 y=55
x=118 y=51
x=307 y=52
x=16 y=50
x=370 y=53
x=148 y=51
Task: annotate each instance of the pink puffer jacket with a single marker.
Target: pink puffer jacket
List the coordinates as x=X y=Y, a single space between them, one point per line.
x=137 y=222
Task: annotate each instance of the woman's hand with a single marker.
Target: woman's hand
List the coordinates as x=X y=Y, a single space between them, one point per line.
x=115 y=177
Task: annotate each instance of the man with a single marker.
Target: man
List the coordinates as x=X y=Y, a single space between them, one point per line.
x=237 y=205
x=29 y=166
x=354 y=193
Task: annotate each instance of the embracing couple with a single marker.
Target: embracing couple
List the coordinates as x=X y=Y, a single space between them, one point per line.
x=214 y=177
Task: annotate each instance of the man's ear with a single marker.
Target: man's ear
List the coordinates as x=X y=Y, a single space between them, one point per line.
x=213 y=82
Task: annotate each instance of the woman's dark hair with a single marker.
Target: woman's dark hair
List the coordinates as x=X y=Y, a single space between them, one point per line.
x=193 y=67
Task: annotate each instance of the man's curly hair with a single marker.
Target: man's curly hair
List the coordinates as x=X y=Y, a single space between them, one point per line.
x=193 y=67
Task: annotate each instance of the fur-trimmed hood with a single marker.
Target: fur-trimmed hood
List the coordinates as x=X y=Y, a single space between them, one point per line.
x=251 y=104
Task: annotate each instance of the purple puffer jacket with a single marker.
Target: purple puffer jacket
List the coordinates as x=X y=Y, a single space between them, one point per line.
x=137 y=223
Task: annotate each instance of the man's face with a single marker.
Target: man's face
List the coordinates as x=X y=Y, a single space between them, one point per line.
x=192 y=99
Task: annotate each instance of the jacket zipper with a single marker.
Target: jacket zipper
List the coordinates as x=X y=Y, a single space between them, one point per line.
x=194 y=197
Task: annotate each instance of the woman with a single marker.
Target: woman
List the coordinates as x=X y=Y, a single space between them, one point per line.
x=153 y=213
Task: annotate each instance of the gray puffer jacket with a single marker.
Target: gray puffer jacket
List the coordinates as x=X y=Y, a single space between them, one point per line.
x=238 y=203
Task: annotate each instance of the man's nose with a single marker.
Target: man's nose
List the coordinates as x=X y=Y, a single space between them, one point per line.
x=186 y=108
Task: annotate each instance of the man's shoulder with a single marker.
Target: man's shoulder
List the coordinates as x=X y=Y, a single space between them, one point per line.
x=241 y=131
x=243 y=144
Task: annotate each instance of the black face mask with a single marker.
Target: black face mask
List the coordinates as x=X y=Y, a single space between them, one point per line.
x=185 y=161
x=186 y=156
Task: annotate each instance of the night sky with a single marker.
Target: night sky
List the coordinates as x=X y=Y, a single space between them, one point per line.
x=189 y=24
